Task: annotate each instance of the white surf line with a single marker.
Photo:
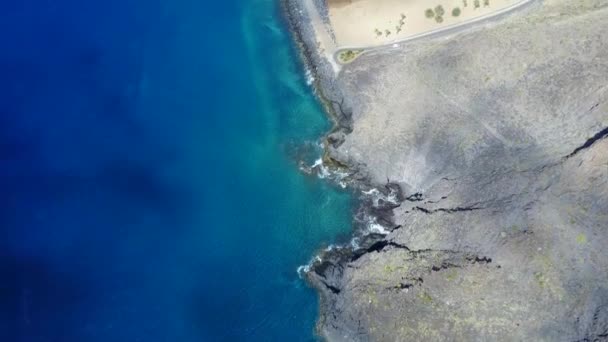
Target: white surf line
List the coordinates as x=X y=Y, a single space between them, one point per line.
x=453 y=27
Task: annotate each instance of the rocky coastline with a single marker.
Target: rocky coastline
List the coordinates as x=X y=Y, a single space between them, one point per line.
x=376 y=201
x=482 y=160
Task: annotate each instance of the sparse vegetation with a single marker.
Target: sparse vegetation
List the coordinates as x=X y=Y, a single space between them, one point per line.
x=486 y=3
x=348 y=55
x=456 y=12
x=426 y=298
x=399 y=27
x=439 y=11
x=581 y=239
x=476 y=4
x=451 y=275
x=540 y=279
x=465 y=3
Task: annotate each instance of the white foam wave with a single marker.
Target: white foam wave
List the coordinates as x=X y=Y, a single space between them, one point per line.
x=330 y=248
x=372 y=191
x=377 y=228
x=372 y=226
x=324 y=172
x=302 y=270
x=392 y=197
x=376 y=196
x=310 y=79
x=354 y=243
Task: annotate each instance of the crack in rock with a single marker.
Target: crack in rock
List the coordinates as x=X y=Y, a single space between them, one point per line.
x=597 y=137
x=331 y=288
x=447 y=210
x=416 y=197
x=407 y=286
x=377 y=247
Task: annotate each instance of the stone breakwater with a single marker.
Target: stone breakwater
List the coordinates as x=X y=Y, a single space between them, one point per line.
x=483 y=155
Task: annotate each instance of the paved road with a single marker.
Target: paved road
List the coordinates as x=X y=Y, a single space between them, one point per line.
x=442 y=31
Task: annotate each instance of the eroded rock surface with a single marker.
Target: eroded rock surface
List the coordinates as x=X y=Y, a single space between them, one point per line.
x=498 y=138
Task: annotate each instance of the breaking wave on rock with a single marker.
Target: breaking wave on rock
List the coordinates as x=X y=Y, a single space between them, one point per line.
x=376 y=204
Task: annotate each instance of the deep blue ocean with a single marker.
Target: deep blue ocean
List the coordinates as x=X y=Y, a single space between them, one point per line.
x=149 y=182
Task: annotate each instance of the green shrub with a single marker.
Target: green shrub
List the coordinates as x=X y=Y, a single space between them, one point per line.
x=456 y=12
x=439 y=11
x=429 y=13
x=348 y=55
x=581 y=239
x=439 y=20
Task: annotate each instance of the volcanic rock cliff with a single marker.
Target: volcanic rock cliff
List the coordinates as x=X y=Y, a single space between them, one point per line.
x=497 y=137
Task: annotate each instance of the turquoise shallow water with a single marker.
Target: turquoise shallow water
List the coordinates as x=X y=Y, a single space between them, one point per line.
x=148 y=161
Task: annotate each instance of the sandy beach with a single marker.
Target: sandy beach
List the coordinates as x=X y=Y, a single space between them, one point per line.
x=373 y=22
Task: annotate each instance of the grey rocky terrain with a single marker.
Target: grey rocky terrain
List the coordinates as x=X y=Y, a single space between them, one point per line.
x=497 y=137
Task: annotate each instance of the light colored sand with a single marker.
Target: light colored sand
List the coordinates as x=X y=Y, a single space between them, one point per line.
x=377 y=22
